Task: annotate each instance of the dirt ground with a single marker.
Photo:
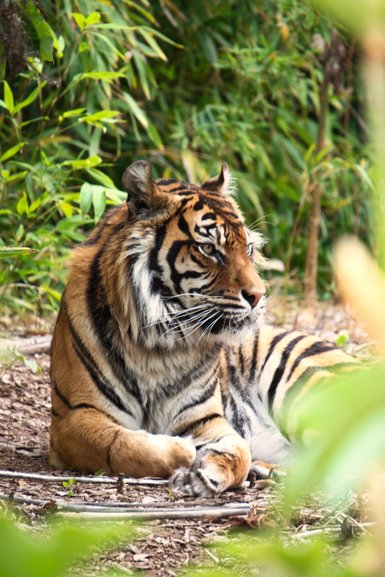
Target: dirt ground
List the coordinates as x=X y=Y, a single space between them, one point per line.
x=164 y=546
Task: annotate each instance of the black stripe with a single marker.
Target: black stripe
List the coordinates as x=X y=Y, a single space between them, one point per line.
x=78 y=406
x=182 y=223
x=116 y=435
x=92 y=368
x=172 y=256
x=206 y=394
x=281 y=369
x=167 y=181
x=106 y=328
x=254 y=356
x=187 y=379
x=273 y=344
x=195 y=424
x=315 y=349
x=157 y=284
x=209 y=215
x=237 y=419
x=241 y=360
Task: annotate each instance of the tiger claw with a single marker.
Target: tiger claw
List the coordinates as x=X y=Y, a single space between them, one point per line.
x=193 y=483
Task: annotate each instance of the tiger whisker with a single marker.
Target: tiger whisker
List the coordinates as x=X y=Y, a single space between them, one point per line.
x=198 y=324
x=171 y=316
x=194 y=295
x=198 y=318
x=207 y=330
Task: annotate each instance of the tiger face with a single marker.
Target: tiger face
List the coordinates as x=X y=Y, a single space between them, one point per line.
x=194 y=259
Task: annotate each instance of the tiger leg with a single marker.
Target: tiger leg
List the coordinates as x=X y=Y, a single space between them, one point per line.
x=222 y=461
x=88 y=440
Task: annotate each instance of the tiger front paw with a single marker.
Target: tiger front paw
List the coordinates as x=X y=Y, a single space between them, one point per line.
x=194 y=483
x=212 y=473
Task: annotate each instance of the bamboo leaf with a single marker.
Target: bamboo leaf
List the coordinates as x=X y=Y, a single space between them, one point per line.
x=42 y=29
x=7 y=251
x=8 y=98
x=92 y=19
x=99 y=202
x=79 y=19
x=139 y=114
x=11 y=151
x=30 y=98
x=85 y=200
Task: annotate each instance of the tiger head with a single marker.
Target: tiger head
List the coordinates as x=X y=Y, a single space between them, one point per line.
x=193 y=260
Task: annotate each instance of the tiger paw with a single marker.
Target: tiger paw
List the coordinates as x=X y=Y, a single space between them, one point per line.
x=194 y=483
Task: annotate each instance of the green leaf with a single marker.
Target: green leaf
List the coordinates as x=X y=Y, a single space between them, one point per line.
x=154 y=45
x=99 y=200
x=108 y=76
x=30 y=98
x=86 y=195
x=93 y=18
x=11 y=151
x=136 y=110
x=79 y=19
x=342 y=435
x=71 y=113
x=42 y=29
x=103 y=116
x=342 y=340
x=22 y=205
x=154 y=135
x=102 y=178
x=66 y=208
x=84 y=163
x=8 y=98
x=6 y=251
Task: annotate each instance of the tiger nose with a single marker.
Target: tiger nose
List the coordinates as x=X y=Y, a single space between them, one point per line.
x=253 y=295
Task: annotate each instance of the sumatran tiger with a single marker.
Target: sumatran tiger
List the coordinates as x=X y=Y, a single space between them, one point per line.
x=161 y=365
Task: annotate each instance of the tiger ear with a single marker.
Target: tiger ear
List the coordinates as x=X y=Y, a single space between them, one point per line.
x=137 y=181
x=223 y=183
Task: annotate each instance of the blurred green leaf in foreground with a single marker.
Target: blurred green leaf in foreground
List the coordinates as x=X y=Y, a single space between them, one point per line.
x=25 y=554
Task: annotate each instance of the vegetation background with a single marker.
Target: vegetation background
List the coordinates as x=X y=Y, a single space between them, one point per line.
x=92 y=85
x=273 y=88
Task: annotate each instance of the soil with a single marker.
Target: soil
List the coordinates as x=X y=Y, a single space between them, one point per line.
x=164 y=546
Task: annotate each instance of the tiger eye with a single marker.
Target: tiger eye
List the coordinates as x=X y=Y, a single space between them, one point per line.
x=208 y=249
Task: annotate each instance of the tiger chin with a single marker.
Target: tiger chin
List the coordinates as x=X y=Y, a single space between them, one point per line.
x=161 y=365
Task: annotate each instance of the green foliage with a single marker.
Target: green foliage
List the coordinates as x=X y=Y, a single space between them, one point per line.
x=23 y=554
x=341 y=449
x=51 y=127
x=271 y=556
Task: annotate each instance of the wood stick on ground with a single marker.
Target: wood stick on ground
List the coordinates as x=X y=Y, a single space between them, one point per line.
x=81 y=479
x=125 y=505
x=169 y=510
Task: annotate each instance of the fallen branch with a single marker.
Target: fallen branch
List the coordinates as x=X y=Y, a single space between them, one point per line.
x=198 y=513
x=82 y=479
x=30 y=346
x=133 y=510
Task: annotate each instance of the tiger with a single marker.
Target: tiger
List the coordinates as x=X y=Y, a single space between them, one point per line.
x=161 y=362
